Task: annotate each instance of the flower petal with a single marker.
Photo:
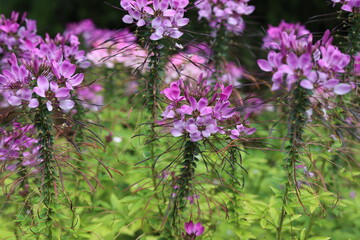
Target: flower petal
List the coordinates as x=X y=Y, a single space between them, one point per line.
x=33 y=103
x=62 y=92
x=342 y=89
x=43 y=83
x=67 y=104
x=264 y=65
x=307 y=84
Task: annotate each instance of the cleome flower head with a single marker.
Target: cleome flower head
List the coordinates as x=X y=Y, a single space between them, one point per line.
x=163 y=17
x=294 y=58
x=225 y=13
x=349 y=5
x=199 y=111
x=47 y=77
x=19 y=148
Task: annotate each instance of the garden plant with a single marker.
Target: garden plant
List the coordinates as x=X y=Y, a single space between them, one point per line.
x=190 y=120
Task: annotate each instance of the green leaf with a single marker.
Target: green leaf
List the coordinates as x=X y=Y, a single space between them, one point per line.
x=302 y=234
x=319 y=238
x=263 y=223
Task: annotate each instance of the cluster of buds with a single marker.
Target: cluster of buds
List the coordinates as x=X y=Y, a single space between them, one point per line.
x=199 y=111
x=349 y=5
x=19 y=148
x=293 y=58
x=225 y=13
x=163 y=17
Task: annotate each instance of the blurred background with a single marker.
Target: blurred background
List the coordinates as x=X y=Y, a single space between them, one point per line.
x=53 y=15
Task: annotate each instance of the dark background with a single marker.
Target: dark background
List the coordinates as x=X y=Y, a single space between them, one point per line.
x=52 y=15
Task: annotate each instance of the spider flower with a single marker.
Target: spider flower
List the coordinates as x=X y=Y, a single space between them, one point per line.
x=17 y=35
x=295 y=59
x=163 y=17
x=193 y=230
x=349 y=5
x=19 y=148
x=199 y=111
x=225 y=13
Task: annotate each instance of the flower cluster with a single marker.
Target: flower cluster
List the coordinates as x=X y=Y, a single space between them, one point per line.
x=295 y=59
x=349 y=5
x=19 y=148
x=195 y=61
x=43 y=70
x=225 y=13
x=193 y=230
x=108 y=47
x=90 y=97
x=90 y=34
x=50 y=80
x=17 y=36
x=164 y=17
x=274 y=34
x=199 y=111
x=357 y=64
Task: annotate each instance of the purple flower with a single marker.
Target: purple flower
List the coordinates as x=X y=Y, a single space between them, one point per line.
x=192 y=198
x=198 y=119
x=18 y=147
x=227 y=13
x=178 y=129
x=241 y=130
x=50 y=91
x=163 y=17
x=295 y=59
x=349 y=5
x=194 y=229
x=332 y=59
x=173 y=92
x=201 y=128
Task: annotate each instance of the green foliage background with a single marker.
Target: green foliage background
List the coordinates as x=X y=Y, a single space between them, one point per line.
x=118 y=210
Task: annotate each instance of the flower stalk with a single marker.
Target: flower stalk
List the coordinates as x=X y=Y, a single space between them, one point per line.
x=184 y=183
x=43 y=125
x=155 y=77
x=297 y=122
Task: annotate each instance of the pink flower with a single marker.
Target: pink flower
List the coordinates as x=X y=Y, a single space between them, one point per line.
x=200 y=119
x=194 y=229
x=295 y=59
x=173 y=92
x=201 y=128
x=241 y=130
x=163 y=17
x=227 y=13
x=349 y=5
x=51 y=90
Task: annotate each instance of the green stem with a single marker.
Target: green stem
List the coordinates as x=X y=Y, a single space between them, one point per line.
x=43 y=125
x=310 y=225
x=297 y=121
x=221 y=49
x=234 y=156
x=78 y=129
x=191 y=156
x=155 y=78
